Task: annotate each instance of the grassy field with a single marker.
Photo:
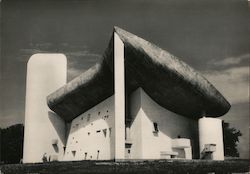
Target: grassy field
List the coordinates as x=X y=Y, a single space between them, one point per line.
x=136 y=166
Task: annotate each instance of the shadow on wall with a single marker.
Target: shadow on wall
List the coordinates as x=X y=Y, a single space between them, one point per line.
x=57 y=122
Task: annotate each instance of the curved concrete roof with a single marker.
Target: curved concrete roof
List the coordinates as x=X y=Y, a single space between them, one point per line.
x=167 y=80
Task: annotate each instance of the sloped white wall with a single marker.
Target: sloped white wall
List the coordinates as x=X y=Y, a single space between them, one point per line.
x=45 y=74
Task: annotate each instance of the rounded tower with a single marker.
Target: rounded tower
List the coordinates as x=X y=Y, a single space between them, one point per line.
x=211 y=138
x=44 y=135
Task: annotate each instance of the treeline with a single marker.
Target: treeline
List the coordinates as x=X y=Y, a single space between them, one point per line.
x=11 y=144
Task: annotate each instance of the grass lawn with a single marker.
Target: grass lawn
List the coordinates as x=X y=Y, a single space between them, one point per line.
x=135 y=166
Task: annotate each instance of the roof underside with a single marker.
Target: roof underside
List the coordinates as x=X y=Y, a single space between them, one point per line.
x=170 y=82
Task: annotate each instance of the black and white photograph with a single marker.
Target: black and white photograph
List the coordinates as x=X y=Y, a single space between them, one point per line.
x=124 y=86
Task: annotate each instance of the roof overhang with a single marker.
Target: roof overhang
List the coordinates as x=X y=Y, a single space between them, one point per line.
x=167 y=80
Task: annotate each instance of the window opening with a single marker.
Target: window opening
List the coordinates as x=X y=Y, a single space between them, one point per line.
x=104 y=132
x=85 y=155
x=97 y=154
x=156 y=129
x=73 y=153
x=110 y=132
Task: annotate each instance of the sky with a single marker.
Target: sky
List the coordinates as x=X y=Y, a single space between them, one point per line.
x=212 y=36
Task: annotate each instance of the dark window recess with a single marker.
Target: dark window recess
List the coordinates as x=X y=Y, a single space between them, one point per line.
x=99 y=113
x=156 y=129
x=97 y=157
x=73 y=153
x=76 y=141
x=110 y=129
x=85 y=155
x=88 y=133
x=104 y=132
x=98 y=131
x=107 y=110
x=82 y=118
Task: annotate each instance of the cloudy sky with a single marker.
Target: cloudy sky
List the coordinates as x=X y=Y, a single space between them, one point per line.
x=210 y=35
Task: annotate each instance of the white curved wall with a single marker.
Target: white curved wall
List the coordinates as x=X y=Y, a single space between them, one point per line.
x=45 y=74
x=148 y=145
x=210 y=132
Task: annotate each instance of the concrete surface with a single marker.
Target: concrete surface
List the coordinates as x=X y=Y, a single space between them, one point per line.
x=45 y=74
x=168 y=81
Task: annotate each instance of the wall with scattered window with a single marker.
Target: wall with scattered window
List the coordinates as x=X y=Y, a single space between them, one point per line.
x=91 y=136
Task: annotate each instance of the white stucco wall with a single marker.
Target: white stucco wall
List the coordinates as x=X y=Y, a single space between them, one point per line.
x=210 y=132
x=87 y=134
x=119 y=101
x=45 y=74
x=170 y=126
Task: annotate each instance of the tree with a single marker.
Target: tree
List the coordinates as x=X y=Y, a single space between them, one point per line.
x=231 y=139
x=12 y=144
